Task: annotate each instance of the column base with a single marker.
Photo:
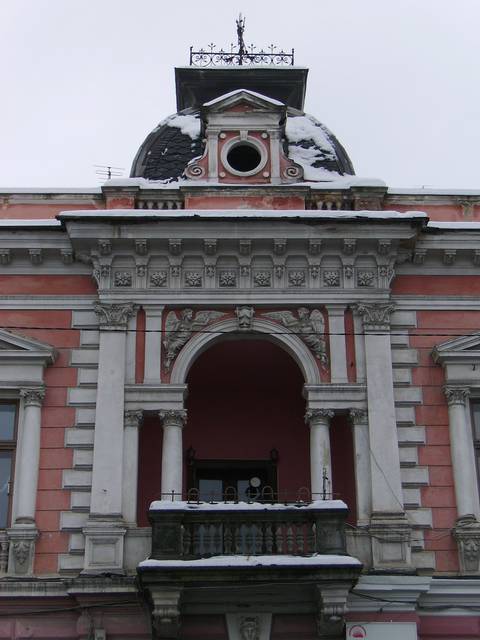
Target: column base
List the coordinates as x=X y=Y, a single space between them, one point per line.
x=391 y=548
x=21 y=552
x=467 y=534
x=104 y=546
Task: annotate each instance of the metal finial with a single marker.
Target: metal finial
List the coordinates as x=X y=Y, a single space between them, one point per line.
x=244 y=55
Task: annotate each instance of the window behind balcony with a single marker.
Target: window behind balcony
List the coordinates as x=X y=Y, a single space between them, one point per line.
x=476 y=434
x=8 y=422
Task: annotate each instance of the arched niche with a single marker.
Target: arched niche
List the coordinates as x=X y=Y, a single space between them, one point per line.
x=228 y=329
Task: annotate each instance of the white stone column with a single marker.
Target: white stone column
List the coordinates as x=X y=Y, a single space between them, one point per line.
x=153 y=343
x=389 y=528
x=27 y=478
x=338 y=349
x=363 y=478
x=385 y=458
x=24 y=532
x=463 y=459
x=104 y=531
x=320 y=458
x=133 y=420
x=173 y=421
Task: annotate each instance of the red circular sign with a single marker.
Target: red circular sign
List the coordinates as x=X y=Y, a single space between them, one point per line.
x=357 y=631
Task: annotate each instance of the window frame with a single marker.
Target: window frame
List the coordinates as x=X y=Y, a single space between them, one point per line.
x=11 y=445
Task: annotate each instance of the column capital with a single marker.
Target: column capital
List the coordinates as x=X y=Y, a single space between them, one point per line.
x=358 y=416
x=376 y=316
x=133 y=418
x=456 y=395
x=114 y=316
x=313 y=416
x=32 y=397
x=173 y=417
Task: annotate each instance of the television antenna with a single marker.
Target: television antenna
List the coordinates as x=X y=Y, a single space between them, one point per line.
x=107 y=171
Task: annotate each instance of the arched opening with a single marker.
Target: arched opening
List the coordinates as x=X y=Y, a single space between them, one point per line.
x=246 y=421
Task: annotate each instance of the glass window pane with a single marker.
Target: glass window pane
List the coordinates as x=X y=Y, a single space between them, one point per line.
x=210 y=489
x=476 y=420
x=5 y=473
x=7 y=421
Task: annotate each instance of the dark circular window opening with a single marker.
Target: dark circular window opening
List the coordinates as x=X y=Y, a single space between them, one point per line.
x=244 y=158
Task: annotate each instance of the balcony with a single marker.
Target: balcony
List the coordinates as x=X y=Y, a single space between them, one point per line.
x=206 y=555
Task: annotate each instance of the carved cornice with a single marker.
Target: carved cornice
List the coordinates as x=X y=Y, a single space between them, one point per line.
x=376 y=316
x=456 y=395
x=133 y=418
x=173 y=417
x=358 y=416
x=314 y=416
x=114 y=315
x=32 y=397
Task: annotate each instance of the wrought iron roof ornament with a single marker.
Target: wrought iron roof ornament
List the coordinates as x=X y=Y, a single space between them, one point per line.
x=242 y=55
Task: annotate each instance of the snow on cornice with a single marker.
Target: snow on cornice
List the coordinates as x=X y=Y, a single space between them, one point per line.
x=230 y=94
x=178 y=505
x=250 y=214
x=316 y=560
x=405 y=191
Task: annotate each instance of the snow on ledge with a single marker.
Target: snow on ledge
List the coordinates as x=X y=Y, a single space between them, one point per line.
x=459 y=226
x=30 y=222
x=317 y=560
x=223 y=97
x=179 y=505
x=229 y=214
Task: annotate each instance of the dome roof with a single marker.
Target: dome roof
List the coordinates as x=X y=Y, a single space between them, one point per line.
x=178 y=139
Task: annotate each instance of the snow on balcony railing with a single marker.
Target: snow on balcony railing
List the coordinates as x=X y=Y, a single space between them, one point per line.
x=196 y=529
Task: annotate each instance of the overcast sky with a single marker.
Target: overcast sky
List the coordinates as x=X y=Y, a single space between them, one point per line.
x=84 y=81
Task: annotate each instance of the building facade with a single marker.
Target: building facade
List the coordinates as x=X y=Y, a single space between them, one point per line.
x=240 y=390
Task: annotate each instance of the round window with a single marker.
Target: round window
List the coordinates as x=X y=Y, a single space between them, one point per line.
x=244 y=158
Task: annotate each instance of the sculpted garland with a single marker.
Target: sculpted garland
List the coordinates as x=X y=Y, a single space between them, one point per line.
x=308 y=325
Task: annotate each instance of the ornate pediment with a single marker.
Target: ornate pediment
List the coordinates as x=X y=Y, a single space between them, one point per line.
x=459 y=349
x=14 y=345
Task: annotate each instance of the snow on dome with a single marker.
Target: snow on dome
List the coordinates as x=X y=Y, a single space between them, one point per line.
x=189 y=125
x=305 y=128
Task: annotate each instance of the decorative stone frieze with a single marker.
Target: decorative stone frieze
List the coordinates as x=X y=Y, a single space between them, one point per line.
x=349 y=246
x=175 y=246
x=179 y=329
x=308 y=325
x=467 y=535
x=158 y=278
x=141 y=270
x=193 y=279
x=210 y=246
x=245 y=318
x=365 y=278
x=279 y=271
x=262 y=279
x=114 y=316
x=279 y=246
x=331 y=278
x=249 y=626
x=122 y=279
x=296 y=278
x=141 y=247
x=227 y=279
x=456 y=395
x=36 y=256
x=21 y=552
x=314 y=271
x=175 y=271
x=348 y=271
x=314 y=247
x=376 y=316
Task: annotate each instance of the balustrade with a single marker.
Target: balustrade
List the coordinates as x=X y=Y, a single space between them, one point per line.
x=185 y=530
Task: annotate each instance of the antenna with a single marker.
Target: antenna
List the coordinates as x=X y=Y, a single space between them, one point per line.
x=107 y=171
